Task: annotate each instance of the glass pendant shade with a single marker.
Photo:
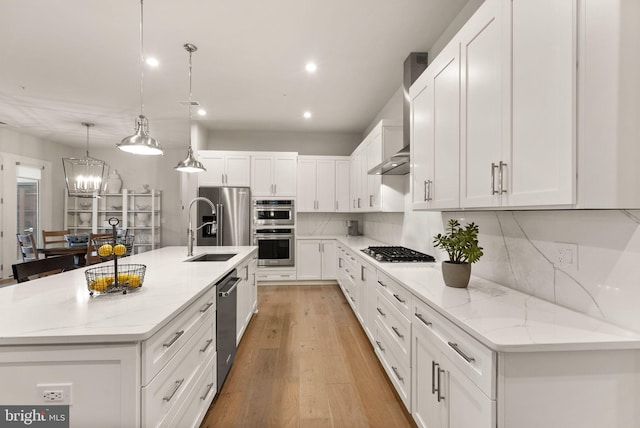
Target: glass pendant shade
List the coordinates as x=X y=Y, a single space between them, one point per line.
x=190 y=164
x=140 y=143
x=86 y=176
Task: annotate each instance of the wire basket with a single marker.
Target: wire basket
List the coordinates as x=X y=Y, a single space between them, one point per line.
x=127 y=241
x=104 y=279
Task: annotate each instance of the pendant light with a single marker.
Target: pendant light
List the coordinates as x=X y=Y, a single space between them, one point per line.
x=141 y=143
x=85 y=177
x=190 y=164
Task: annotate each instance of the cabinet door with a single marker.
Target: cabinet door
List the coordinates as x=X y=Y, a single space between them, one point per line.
x=238 y=170
x=342 y=186
x=427 y=411
x=353 y=183
x=284 y=175
x=445 y=191
x=466 y=406
x=485 y=107
x=329 y=268
x=261 y=170
x=326 y=186
x=422 y=140
x=214 y=175
x=253 y=287
x=544 y=113
x=308 y=260
x=374 y=182
x=363 y=182
x=242 y=301
x=306 y=197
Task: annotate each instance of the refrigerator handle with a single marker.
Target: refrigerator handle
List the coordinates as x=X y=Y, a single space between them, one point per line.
x=220 y=224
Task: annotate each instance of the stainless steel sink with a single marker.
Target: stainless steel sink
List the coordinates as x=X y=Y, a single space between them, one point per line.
x=208 y=257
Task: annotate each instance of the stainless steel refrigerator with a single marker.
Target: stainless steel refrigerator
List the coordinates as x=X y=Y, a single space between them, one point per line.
x=230 y=221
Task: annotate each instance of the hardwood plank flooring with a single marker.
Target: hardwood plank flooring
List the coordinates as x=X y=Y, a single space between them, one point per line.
x=305 y=362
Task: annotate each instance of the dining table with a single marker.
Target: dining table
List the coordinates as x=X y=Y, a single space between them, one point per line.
x=79 y=252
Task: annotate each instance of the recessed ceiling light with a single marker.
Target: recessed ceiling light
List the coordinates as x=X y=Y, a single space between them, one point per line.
x=311 y=67
x=202 y=112
x=307 y=115
x=152 y=62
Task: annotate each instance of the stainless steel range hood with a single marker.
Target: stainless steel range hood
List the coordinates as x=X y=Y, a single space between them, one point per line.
x=399 y=163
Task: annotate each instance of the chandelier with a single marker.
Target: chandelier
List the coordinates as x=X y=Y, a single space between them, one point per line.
x=86 y=176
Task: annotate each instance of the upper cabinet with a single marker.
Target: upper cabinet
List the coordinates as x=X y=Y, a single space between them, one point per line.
x=323 y=184
x=274 y=174
x=225 y=168
x=375 y=193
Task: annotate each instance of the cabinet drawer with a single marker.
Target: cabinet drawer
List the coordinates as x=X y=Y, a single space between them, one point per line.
x=199 y=399
x=271 y=274
x=164 y=395
x=395 y=293
x=162 y=346
x=397 y=326
x=398 y=371
x=475 y=360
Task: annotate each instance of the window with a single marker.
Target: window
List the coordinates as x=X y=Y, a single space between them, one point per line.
x=28 y=199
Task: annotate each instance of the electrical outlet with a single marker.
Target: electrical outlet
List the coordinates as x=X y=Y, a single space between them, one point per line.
x=567 y=257
x=59 y=393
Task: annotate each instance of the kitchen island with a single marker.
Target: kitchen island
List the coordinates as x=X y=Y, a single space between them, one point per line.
x=140 y=359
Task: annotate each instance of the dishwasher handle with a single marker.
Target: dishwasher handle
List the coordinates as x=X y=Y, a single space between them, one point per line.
x=226 y=293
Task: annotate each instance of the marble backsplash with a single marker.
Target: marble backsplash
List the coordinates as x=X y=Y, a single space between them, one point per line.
x=521 y=249
x=308 y=224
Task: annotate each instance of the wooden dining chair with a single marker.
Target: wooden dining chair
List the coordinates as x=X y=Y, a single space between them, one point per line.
x=54 y=238
x=92 y=256
x=42 y=267
x=28 y=248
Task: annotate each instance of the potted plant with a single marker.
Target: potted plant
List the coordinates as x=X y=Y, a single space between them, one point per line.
x=461 y=244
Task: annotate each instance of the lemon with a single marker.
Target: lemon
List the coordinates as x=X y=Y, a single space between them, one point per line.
x=99 y=284
x=109 y=280
x=119 y=250
x=134 y=280
x=123 y=277
x=105 y=250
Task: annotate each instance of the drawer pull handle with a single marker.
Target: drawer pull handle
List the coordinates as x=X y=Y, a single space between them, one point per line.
x=206 y=307
x=346 y=270
x=455 y=347
x=380 y=346
x=352 y=277
x=395 y=371
x=176 y=387
x=209 y=342
x=382 y=283
x=433 y=376
x=352 y=299
x=173 y=340
x=424 y=321
x=440 y=397
x=381 y=313
x=395 y=330
x=399 y=299
x=208 y=391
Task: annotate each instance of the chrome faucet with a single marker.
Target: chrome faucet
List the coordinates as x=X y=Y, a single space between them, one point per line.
x=190 y=230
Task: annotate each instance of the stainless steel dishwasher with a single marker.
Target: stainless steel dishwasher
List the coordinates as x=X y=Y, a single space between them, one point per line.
x=226 y=324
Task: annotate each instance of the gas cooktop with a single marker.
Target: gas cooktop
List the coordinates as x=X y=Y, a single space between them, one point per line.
x=397 y=255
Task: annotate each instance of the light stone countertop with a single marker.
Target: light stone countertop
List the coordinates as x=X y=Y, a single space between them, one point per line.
x=59 y=309
x=501 y=318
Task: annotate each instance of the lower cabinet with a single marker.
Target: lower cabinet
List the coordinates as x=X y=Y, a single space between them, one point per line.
x=315 y=259
x=247 y=296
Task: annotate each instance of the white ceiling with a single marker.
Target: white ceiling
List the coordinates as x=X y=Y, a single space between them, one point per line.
x=65 y=62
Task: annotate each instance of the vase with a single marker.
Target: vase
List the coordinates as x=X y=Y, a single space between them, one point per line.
x=85 y=219
x=456 y=275
x=114 y=182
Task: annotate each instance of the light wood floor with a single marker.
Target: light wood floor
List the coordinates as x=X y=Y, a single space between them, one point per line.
x=306 y=362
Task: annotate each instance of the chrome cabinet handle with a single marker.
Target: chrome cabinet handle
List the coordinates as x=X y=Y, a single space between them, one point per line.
x=400 y=378
x=501 y=186
x=493 y=178
x=425 y=190
x=383 y=284
x=206 y=307
x=397 y=332
x=246 y=273
x=362 y=273
x=381 y=313
x=222 y=178
x=176 y=387
x=380 y=346
x=354 y=203
x=275 y=189
x=455 y=347
x=358 y=202
x=439 y=396
x=173 y=340
x=428 y=197
x=399 y=299
x=433 y=376
x=340 y=262
x=352 y=299
x=370 y=200
x=207 y=392
x=424 y=321
x=208 y=342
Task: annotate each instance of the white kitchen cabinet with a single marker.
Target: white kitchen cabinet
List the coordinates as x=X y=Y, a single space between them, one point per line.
x=319 y=184
x=274 y=174
x=316 y=259
x=358 y=179
x=435 y=132
x=246 y=296
x=225 y=168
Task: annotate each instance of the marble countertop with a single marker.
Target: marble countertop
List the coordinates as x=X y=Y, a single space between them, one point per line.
x=501 y=318
x=58 y=308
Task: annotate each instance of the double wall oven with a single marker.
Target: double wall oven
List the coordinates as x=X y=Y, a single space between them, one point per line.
x=273 y=231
